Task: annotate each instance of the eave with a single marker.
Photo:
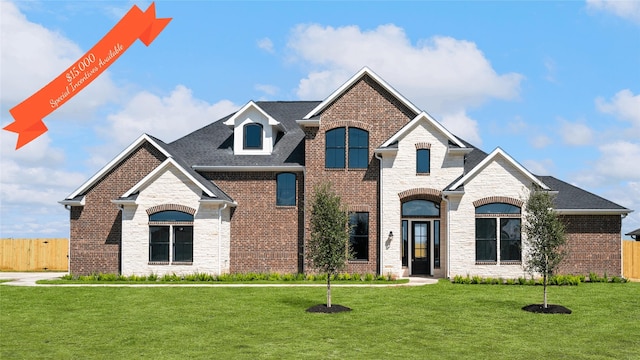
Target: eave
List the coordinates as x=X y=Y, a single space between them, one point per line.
x=248 y=168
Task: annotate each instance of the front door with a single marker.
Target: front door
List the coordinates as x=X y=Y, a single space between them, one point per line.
x=420 y=264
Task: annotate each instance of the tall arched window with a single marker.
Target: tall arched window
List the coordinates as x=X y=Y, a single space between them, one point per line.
x=253 y=136
x=335 y=148
x=358 y=148
x=498 y=221
x=170 y=237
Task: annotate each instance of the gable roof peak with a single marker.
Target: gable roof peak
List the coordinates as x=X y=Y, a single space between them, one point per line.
x=365 y=71
x=498 y=152
x=423 y=116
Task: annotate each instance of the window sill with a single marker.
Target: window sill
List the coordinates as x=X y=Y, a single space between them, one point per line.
x=286 y=206
x=357 y=169
x=358 y=261
x=488 y=262
x=167 y=263
x=158 y=263
x=182 y=263
x=423 y=174
x=511 y=262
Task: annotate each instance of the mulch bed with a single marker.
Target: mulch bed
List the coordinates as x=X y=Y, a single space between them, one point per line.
x=551 y=309
x=322 y=308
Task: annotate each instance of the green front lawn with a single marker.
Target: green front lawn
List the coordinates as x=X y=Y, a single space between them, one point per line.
x=442 y=321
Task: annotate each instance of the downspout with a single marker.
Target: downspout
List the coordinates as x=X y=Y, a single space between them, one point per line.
x=380 y=218
x=220 y=209
x=68 y=207
x=444 y=197
x=304 y=218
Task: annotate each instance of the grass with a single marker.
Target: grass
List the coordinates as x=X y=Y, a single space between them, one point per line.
x=444 y=321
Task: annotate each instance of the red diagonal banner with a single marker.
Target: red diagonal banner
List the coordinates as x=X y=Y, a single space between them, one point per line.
x=134 y=25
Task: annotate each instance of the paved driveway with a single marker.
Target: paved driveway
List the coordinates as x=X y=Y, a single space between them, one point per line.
x=28 y=278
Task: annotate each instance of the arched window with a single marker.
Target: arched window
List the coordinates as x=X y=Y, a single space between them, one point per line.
x=335 y=148
x=253 y=136
x=498 y=221
x=358 y=148
x=286 y=189
x=420 y=208
x=170 y=229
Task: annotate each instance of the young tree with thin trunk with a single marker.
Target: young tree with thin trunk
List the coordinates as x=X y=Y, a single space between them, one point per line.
x=545 y=236
x=328 y=247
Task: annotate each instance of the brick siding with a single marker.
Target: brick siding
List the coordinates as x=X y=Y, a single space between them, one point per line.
x=96 y=228
x=593 y=245
x=264 y=237
x=368 y=106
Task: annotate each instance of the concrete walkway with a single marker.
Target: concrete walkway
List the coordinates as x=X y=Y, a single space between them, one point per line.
x=30 y=278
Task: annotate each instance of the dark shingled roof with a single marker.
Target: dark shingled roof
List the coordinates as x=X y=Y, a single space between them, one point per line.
x=220 y=195
x=212 y=145
x=573 y=198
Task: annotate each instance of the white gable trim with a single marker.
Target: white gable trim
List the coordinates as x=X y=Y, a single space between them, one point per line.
x=364 y=71
x=165 y=164
x=126 y=152
x=251 y=104
x=426 y=117
x=491 y=157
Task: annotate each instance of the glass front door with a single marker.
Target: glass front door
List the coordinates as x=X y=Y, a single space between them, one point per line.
x=420 y=241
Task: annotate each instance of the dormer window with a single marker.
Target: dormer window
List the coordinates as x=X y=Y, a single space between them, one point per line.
x=253 y=136
x=254 y=131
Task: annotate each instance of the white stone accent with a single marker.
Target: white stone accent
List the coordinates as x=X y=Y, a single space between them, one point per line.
x=498 y=178
x=399 y=174
x=211 y=241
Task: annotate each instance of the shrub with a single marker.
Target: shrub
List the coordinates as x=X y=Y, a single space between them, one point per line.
x=476 y=279
x=369 y=277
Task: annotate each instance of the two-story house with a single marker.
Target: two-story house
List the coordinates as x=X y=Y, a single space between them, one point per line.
x=231 y=196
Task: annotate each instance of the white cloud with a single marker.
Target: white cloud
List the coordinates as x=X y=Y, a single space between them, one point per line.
x=625 y=106
x=267 y=89
x=266 y=44
x=460 y=124
x=619 y=160
x=575 y=133
x=540 y=141
x=440 y=74
x=626 y=9
x=550 y=66
x=167 y=117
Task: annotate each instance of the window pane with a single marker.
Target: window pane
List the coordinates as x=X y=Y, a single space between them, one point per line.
x=423 y=161
x=158 y=243
x=486 y=240
x=183 y=243
x=420 y=208
x=498 y=208
x=253 y=136
x=335 y=148
x=286 y=189
x=436 y=244
x=358 y=148
x=405 y=243
x=510 y=239
x=359 y=239
x=171 y=215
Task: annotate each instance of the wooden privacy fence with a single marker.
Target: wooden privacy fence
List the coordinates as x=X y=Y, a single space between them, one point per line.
x=34 y=254
x=631 y=259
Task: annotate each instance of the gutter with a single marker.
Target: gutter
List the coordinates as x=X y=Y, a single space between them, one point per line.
x=380 y=217
x=248 y=168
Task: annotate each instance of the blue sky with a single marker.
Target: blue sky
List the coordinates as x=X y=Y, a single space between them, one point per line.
x=554 y=84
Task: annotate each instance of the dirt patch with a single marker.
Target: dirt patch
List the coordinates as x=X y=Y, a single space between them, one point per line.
x=550 y=309
x=322 y=308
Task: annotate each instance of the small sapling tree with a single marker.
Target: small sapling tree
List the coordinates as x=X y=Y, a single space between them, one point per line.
x=545 y=237
x=328 y=247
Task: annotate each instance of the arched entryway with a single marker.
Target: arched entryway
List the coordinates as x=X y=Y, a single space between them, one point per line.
x=421 y=223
